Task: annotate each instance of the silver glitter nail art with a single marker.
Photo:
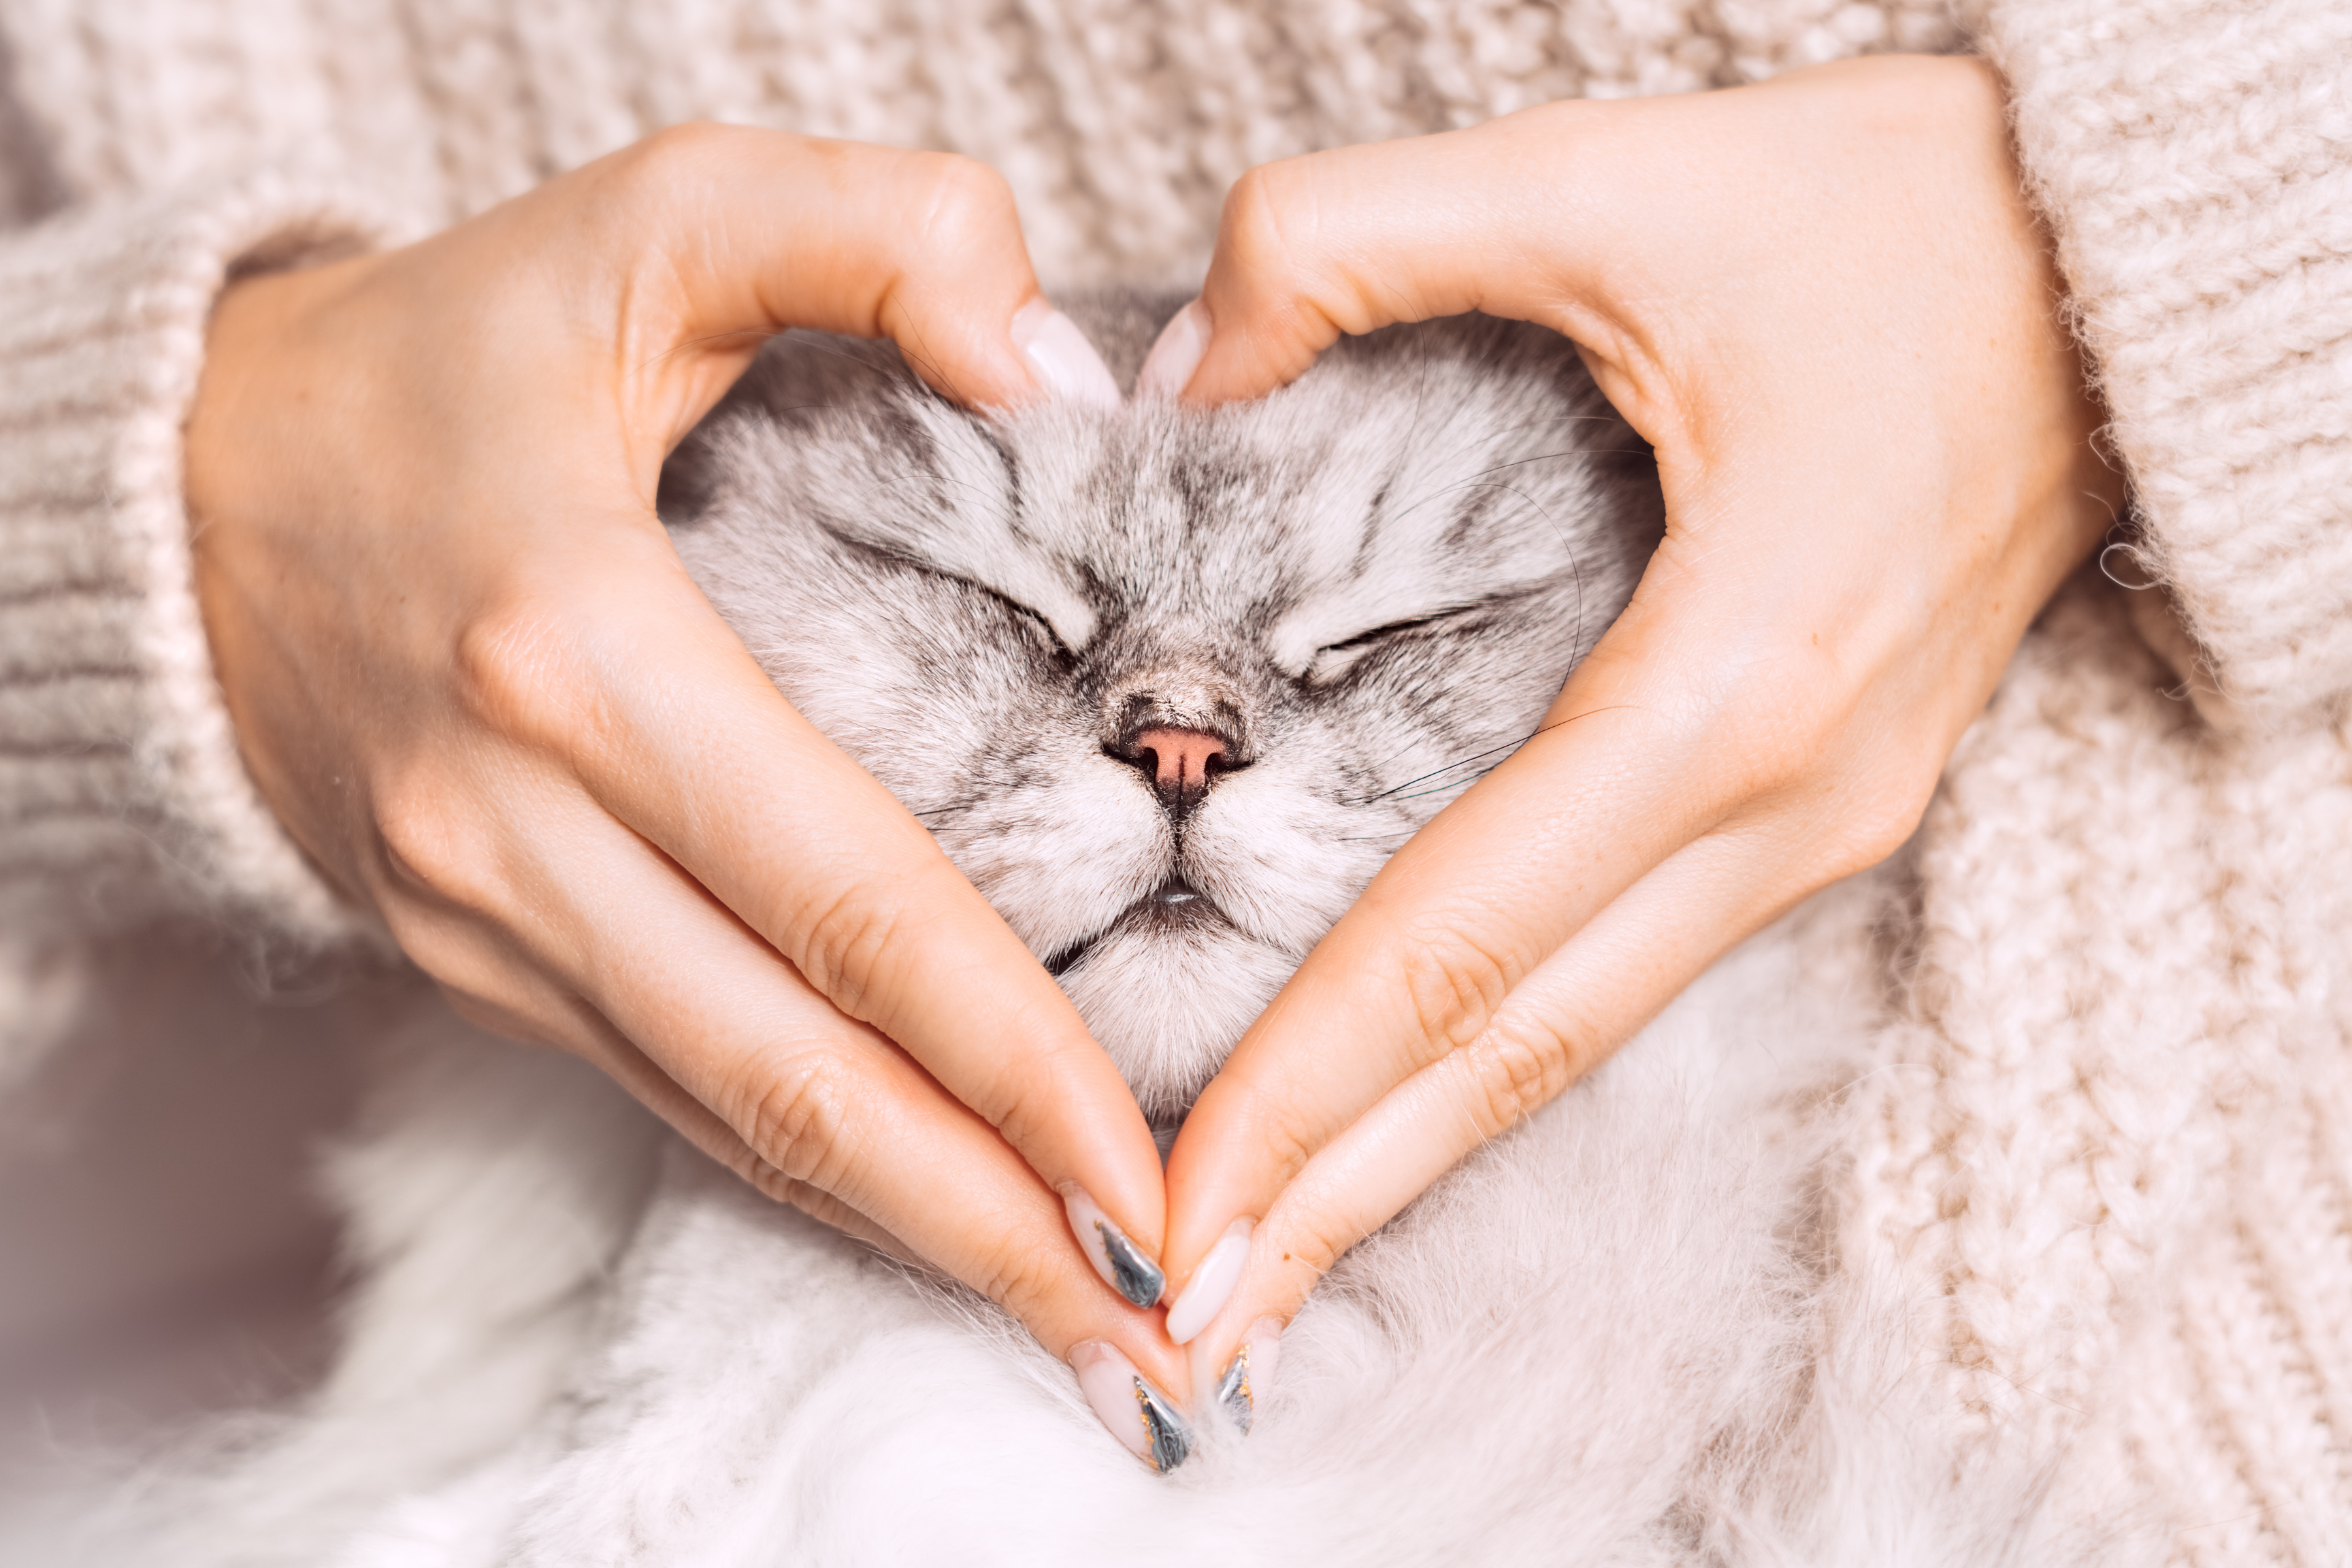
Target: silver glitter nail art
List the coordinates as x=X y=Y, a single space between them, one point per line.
x=1233 y=1391
x=1133 y=1275
x=1167 y=1440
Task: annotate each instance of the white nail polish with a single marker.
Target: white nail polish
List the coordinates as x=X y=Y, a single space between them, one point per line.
x=1176 y=353
x=1124 y=1266
x=1214 y=1280
x=1138 y=1415
x=1065 y=365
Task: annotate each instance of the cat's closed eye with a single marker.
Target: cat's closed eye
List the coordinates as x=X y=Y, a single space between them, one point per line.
x=1033 y=623
x=1334 y=659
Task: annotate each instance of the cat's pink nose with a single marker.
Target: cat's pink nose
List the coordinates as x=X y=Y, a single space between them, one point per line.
x=1181 y=758
x=1180 y=763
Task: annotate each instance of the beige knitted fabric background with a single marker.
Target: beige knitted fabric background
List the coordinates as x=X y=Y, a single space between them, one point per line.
x=2110 y=1138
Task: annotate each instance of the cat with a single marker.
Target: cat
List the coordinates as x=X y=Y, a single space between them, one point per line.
x=1608 y=1337
x=1364 y=614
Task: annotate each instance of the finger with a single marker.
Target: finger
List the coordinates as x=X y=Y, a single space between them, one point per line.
x=1562 y=1019
x=653 y=705
x=1420 y=966
x=762 y=230
x=1592 y=219
x=708 y=1024
x=1352 y=239
x=1676 y=727
x=1827 y=706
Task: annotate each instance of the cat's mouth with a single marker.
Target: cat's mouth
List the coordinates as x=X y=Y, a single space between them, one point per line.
x=1173 y=908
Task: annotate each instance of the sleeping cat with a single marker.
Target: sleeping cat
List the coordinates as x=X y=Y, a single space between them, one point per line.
x=1604 y=1338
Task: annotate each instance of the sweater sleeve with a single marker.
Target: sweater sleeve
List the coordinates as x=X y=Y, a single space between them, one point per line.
x=123 y=796
x=2194 y=161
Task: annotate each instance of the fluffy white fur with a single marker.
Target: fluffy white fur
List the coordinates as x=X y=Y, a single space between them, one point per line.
x=1611 y=1337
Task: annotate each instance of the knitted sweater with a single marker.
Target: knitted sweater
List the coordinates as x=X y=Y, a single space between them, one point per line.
x=2111 y=1146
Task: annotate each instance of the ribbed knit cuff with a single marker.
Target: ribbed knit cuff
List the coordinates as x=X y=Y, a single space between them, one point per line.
x=2195 y=161
x=122 y=793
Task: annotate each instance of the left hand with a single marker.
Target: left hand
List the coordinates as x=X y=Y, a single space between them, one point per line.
x=1825 y=302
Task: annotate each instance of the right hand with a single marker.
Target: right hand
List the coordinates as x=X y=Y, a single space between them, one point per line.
x=475 y=683
x=1826 y=304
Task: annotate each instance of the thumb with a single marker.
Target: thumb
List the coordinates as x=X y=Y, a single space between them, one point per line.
x=1353 y=240
x=755 y=232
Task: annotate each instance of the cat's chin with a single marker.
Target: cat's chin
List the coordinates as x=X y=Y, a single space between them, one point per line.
x=1168 y=989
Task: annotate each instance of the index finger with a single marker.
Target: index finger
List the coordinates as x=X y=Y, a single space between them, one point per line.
x=683 y=737
x=676 y=731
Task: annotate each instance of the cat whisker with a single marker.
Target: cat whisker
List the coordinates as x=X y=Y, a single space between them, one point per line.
x=1531 y=424
x=1457 y=787
x=1449 y=767
x=1393 y=791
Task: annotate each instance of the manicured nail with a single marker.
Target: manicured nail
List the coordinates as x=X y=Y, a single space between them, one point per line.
x=1065 y=365
x=1249 y=1376
x=1214 y=1280
x=1176 y=354
x=1138 y=1415
x=1124 y=1266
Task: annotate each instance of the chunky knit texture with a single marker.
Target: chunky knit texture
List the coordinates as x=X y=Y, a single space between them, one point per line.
x=2112 y=1135
x=121 y=791
x=2198 y=158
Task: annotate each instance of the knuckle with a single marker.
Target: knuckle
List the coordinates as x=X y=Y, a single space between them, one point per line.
x=1023 y=1281
x=815 y=1202
x=1864 y=829
x=1517 y=1073
x=1270 y=233
x=794 y=1119
x=655 y=158
x=1452 y=986
x=431 y=849
x=1253 y=227
x=965 y=202
x=1776 y=737
x=1317 y=1237
x=840 y=945
x=516 y=673
x=1286 y=1144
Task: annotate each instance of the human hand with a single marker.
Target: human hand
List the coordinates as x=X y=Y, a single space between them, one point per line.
x=1825 y=302
x=472 y=678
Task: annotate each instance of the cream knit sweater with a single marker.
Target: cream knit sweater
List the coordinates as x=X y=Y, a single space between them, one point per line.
x=2111 y=1143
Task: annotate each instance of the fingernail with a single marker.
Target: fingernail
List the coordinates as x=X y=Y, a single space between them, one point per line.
x=1138 y=1415
x=1124 y=1266
x=1176 y=353
x=1249 y=1376
x=1214 y=1280
x=1067 y=365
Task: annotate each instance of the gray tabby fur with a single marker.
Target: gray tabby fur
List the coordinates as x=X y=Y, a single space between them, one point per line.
x=977 y=612
x=1611 y=1337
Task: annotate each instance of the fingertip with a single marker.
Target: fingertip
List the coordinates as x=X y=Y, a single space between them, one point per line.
x=1239 y=1376
x=1126 y=1268
x=1061 y=361
x=1211 y=1284
x=1176 y=353
x=1145 y=1421
x=1233 y=344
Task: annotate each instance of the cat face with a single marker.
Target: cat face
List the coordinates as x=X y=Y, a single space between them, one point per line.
x=1170 y=686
